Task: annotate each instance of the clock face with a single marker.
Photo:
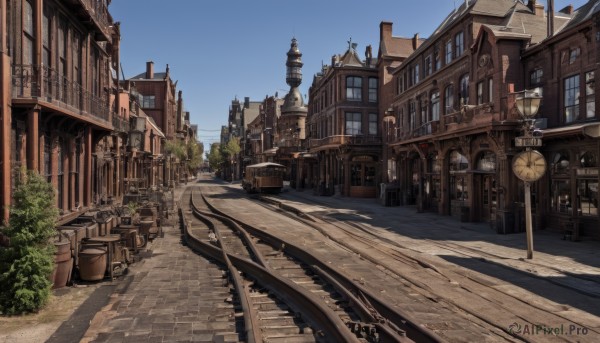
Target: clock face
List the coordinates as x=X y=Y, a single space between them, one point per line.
x=529 y=165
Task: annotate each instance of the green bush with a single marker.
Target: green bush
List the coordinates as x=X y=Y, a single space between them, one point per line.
x=26 y=265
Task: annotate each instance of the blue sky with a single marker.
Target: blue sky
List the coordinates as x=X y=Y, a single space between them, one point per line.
x=221 y=49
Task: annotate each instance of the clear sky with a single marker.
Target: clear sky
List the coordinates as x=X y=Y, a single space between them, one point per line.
x=221 y=49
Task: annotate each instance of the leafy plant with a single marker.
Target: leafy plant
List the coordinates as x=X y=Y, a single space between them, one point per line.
x=26 y=265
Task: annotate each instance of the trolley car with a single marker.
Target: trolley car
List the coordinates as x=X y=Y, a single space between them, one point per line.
x=264 y=177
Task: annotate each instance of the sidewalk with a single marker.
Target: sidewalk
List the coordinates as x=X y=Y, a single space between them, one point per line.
x=575 y=265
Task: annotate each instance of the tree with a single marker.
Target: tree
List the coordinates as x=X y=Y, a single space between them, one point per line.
x=26 y=265
x=215 y=158
x=232 y=147
x=194 y=151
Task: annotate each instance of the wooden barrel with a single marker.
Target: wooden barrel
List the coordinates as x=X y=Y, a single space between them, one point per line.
x=92 y=264
x=63 y=264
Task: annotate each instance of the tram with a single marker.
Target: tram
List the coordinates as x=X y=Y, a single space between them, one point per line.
x=264 y=177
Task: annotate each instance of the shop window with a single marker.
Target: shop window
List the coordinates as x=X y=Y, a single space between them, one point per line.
x=561 y=196
x=560 y=163
x=587 y=196
x=458 y=161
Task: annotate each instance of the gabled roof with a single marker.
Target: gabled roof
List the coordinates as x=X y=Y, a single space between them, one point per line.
x=351 y=58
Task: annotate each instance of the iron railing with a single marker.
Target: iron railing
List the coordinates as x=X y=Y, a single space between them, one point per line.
x=34 y=81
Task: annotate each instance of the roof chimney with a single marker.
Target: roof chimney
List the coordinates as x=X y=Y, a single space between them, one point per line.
x=149 y=70
x=536 y=8
x=550 y=18
x=385 y=30
x=246 y=102
x=415 y=41
x=567 y=10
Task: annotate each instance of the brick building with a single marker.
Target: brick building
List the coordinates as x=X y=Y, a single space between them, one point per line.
x=59 y=100
x=343 y=126
x=455 y=116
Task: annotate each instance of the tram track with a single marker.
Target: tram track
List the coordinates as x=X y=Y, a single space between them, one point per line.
x=296 y=282
x=473 y=285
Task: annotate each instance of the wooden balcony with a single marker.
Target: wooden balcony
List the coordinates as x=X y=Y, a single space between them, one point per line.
x=45 y=84
x=94 y=14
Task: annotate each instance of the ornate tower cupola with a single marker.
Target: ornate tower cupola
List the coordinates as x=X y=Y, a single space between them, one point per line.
x=294 y=103
x=294 y=65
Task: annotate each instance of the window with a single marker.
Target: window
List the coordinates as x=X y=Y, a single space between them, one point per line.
x=491 y=90
x=449 y=99
x=414 y=75
x=412 y=115
x=423 y=101
x=373 y=84
x=353 y=123
x=464 y=89
x=435 y=105
x=590 y=97
x=437 y=60
x=148 y=101
x=561 y=196
x=535 y=77
x=427 y=66
x=400 y=84
x=571 y=98
x=373 y=123
x=354 y=88
x=46 y=38
x=28 y=34
x=459 y=44
x=573 y=55
x=479 y=92
x=449 y=52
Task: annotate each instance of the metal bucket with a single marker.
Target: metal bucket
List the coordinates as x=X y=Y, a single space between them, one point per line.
x=92 y=264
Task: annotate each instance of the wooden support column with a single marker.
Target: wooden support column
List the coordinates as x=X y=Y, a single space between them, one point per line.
x=71 y=173
x=5 y=117
x=33 y=139
x=87 y=167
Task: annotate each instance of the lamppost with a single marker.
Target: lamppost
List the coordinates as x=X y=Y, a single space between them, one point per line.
x=529 y=165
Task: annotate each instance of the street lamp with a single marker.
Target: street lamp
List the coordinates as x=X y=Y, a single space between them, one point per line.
x=529 y=165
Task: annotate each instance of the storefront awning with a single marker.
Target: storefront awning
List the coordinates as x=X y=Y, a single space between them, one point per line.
x=589 y=129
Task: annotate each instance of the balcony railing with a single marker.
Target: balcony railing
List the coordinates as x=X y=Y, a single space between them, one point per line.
x=95 y=13
x=426 y=129
x=27 y=83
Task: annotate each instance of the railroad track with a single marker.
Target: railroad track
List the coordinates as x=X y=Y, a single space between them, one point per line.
x=497 y=298
x=287 y=294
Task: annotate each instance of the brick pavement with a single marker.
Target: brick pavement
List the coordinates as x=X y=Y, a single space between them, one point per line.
x=168 y=298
